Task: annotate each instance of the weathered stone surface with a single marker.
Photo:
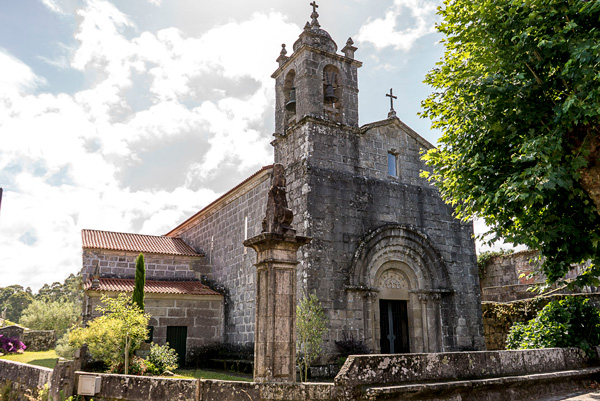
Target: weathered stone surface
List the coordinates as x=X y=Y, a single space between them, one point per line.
x=39 y=340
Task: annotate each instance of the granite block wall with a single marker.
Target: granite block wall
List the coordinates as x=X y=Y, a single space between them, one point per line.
x=201 y=314
x=219 y=232
x=121 y=264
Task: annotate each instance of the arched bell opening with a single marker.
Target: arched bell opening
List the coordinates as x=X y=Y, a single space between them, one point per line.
x=289 y=92
x=332 y=93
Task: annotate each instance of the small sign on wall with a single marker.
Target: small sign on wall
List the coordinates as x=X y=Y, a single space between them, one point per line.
x=88 y=385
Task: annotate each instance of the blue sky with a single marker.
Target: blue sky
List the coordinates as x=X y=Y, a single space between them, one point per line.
x=132 y=115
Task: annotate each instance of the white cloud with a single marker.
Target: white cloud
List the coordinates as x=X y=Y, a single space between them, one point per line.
x=16 y=76
x=62 y=155
x=404 y=23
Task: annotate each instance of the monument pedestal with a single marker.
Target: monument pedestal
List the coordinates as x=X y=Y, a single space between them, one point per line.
x=275 y=324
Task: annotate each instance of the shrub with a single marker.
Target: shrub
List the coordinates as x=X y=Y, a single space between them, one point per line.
x=121 y=329
x=11 y=345
x=137 y=367
x=163 y=357
x=350 y=346
x=64 y=349
x=571 y=322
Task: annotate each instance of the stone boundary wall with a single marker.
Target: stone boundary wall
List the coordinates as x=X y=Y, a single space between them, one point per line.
x=360 y=370
x=360 y=376
x=498 y=317
x=16 y=379
x=12 y=331
x=39 y=340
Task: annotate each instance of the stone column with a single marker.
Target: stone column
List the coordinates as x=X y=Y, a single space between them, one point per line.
x=275 y=327
x=275 y=323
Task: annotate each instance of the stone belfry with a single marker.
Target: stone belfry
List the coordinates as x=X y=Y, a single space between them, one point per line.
x=315 y=81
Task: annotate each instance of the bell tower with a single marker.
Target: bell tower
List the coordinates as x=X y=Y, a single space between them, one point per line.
x=315 y=81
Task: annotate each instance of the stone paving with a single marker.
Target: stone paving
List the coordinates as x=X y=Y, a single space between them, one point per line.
x=583 y=395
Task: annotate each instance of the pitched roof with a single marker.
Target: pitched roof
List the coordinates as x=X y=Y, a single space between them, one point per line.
x=137 y=243
x=220 y=200
x=152 y=287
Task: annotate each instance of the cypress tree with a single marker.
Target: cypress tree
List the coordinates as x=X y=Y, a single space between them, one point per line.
x=140 y=281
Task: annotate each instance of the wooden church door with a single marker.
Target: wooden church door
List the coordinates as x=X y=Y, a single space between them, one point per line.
x=394 y=326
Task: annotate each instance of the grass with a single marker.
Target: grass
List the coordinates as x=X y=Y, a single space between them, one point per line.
x=209 y=374
x=46 y=359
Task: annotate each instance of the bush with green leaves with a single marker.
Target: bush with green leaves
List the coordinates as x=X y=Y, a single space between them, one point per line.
x=121 y=329
x=163 y=357
x=570 y=322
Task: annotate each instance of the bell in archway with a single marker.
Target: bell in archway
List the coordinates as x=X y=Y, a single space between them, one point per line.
x=330 y=96
x=291 y=104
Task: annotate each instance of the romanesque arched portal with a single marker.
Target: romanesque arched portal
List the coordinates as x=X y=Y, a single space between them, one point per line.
x=398 y=280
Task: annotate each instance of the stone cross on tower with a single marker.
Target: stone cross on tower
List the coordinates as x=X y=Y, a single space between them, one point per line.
x=275 y=324
x=314 y=15
x=392 y=112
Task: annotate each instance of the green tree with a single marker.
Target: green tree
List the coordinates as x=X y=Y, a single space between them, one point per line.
x=140 y=281
x=71 y=290
x=517 y=96
x=59 y=316
x=115 y=335
x=14 y=299
x=311 y=327
x=570 y=322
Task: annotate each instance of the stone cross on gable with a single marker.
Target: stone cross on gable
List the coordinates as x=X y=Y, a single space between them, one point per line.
x=392 y=112
x=314 y=6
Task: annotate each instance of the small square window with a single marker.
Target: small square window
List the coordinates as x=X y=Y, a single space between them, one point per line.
x=392 y=164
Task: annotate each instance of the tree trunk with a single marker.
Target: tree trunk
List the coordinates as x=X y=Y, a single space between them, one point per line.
x=127 y=354
x=590 y=181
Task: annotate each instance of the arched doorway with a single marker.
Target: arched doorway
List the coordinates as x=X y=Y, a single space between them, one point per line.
x=401 y=278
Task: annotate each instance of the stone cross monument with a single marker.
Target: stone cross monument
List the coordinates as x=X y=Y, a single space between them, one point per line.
x=275 y=324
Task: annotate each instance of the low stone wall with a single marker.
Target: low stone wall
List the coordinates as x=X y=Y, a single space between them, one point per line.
x=16 y=379
x=498 y=317
x=39 y=340
x=360 y=370
x=12 y=331
x=362 y=377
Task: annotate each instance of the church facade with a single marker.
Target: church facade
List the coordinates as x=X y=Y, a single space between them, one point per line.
x=390 y=264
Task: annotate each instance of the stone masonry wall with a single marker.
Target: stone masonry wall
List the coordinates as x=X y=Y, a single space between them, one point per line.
x=121 y=264
x=202 y=314
x=339 y=191
x=39 y=340
x=219 y=232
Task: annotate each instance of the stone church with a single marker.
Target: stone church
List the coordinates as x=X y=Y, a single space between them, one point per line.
x=388 y=261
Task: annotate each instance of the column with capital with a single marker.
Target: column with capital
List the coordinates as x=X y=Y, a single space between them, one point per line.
x=275 y=323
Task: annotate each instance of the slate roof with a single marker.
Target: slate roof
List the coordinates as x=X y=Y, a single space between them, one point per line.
x=152 y=287
x=96 y=239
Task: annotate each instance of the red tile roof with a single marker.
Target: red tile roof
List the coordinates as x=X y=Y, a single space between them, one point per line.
x=152 y=287
x=137 y=243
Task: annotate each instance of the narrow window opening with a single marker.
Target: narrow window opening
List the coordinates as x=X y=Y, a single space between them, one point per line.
x=392 y=164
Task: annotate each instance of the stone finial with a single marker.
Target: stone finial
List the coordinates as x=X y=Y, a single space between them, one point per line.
x=315 y=22
x=282 y=55
x=278 y=217
x=349 y=49
x=307 y=26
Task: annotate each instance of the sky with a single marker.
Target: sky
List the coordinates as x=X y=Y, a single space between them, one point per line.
x=132 y=115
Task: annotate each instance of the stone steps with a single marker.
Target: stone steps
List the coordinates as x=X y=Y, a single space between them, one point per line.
x=522 y=387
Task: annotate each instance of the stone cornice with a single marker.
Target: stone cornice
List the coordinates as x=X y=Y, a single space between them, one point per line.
x=304 y=48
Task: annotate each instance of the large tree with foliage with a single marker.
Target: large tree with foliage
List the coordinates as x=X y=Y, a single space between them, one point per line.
x=71 y=290
x=13 y=300
x=115 y=335
x=59 y=316
x=517 y=96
